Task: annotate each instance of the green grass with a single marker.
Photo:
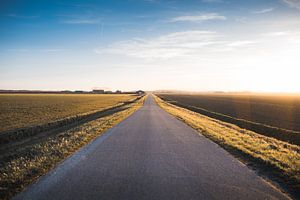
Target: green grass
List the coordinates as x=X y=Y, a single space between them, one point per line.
x=279 y=158
x=23 y=110
x=27 y=164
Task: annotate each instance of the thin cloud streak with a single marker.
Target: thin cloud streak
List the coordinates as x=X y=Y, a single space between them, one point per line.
x=18 y=50
x=23 y=50
x=292 y=3
x=242 y=43
x=52 y=50
x=80 y=21
x=278 y=33
x=164 y=47
x=178 y=44
x=262 y=11
x=212 y=1
x=198 y=18
x=22 y=16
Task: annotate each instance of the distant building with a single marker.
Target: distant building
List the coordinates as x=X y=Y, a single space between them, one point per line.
x=79 y=91
x=140 y=92
x=98 y=91
x=108 y=92
x=66 y=92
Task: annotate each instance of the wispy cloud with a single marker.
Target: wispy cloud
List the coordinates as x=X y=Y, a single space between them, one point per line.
x=284 y=35
x=241 y=19
x=212 y=1
x=241 y=43
x=23 y=50
x=51 y=50
x=278 y=33
x=178 y=44
x=198 y=18
x=81 y=21
x=167 y=46
x=292 y=3
x=77 y=5
x=22 y=16
x=150 y=1
x=262 y=11
x=18 y=50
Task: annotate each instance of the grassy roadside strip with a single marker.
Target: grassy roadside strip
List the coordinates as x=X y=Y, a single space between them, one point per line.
x=23 y=167
x=273 y=158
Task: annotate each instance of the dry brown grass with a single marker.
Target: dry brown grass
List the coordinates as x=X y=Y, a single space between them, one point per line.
x=280 y=157
x=23 y=110
x=276 y=116
x=280 y=111
x=25 y=165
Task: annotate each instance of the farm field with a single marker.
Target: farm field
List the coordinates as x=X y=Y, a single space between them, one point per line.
x=271 y=115
x=273 y=110
x=22 y=110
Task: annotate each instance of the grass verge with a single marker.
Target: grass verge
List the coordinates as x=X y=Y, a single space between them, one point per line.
x=278 y=160
x=27 y=164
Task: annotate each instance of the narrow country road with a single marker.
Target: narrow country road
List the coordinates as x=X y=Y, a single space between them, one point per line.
x=151 y=155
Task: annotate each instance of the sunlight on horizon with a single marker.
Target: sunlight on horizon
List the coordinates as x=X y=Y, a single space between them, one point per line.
x=151 y=45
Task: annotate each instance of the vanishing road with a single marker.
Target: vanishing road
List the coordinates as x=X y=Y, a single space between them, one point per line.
x=151 y=155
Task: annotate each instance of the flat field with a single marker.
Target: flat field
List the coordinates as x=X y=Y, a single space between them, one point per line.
x=22 y=110
x=273 y=110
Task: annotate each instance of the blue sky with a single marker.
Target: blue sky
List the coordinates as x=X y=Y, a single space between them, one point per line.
x=198 y=45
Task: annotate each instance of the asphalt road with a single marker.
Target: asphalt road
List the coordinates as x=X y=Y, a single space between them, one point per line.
x=151 y=155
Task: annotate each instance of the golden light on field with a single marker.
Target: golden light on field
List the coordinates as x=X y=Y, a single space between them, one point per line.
x=17 y=110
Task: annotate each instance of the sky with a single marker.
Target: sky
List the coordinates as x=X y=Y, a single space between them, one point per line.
x=195 y=45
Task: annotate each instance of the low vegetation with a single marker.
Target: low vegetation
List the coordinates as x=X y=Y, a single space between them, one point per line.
x=270 y=115
x=23 y=110
x=276 y=158
x=23 y=166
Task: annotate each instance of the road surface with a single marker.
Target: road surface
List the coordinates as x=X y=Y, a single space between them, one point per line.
x=151 y=155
